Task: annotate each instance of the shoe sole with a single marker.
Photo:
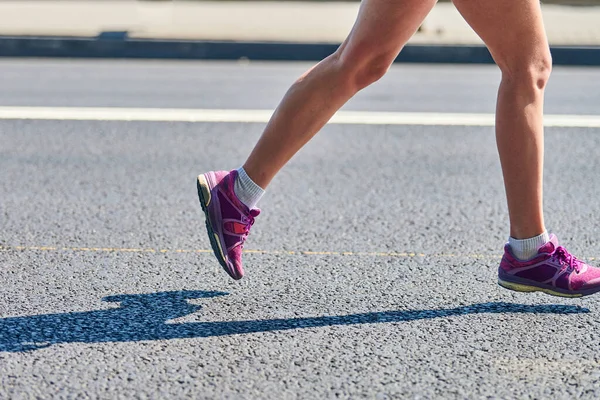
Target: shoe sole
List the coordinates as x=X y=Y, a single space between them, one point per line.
x=517 y=287
x=205 y=197
x=524 y=288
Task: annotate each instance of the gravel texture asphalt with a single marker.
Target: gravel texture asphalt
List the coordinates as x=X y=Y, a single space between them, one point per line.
x=371 y=272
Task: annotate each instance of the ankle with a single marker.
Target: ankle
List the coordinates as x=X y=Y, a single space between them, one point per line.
x=525 y=249
x=246 y=190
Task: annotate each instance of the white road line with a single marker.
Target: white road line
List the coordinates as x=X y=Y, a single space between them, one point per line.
x=262 y=116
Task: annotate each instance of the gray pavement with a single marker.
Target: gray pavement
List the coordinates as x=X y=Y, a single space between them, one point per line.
x=95 y=314
x=190 y=84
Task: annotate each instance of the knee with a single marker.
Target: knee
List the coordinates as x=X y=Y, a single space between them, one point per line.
x=531 y=73
x=362 y=66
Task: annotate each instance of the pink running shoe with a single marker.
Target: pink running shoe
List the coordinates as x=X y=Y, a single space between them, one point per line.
x=228 y=220
x=553 y=270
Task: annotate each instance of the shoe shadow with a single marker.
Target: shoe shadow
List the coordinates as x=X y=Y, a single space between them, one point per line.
x=146 y=316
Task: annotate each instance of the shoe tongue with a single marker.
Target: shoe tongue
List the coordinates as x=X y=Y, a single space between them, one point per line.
x=254 y=212
x=550 y=246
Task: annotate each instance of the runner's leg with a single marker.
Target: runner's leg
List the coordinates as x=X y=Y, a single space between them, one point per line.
x=381 y=30
x=514 y=32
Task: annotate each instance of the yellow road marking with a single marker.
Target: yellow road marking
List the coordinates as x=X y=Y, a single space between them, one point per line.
x=265 y=252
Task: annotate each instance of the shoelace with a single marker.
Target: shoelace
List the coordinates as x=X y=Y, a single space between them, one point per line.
x=566 y=258
x=248 y=221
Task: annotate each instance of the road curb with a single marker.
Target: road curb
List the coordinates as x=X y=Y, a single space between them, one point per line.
x=113 y=46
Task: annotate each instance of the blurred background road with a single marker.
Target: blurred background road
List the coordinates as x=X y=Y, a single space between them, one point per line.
x=189 y=29
x=260 y=85
x=258 y=21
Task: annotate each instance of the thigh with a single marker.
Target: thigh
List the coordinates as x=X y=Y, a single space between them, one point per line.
x=513 y=30
x=384 y=26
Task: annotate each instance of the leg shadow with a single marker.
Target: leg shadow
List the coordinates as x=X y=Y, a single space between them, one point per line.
x=145 y=316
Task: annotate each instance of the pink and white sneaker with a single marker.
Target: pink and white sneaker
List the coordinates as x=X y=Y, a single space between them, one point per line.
x=553 y=270
x=228 y=220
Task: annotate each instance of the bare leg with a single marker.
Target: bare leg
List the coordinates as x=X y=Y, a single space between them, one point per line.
x=514 y=32
x=381 y=30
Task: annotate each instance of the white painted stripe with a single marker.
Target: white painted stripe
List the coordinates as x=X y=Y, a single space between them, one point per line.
x=262 y=116
x=400 y=118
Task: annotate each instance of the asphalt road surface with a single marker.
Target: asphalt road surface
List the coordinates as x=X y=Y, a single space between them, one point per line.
x=371 y=272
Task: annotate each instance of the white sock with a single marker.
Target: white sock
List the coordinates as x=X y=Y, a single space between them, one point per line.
x=524 y=249
x=246 y=190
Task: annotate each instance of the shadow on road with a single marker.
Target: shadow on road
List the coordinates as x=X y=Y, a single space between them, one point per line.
x=146 y=316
